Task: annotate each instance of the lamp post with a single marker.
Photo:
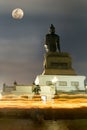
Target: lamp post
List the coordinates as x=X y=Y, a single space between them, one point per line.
x=37 y=81
x=54 y=81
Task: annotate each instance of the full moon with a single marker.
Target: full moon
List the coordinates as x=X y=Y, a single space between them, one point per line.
x=17 y=13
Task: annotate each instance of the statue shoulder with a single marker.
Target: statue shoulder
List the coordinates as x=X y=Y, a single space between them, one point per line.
x=47 y=35
x=56 y=35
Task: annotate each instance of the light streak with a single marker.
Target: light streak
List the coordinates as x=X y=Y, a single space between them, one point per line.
x=59 y=103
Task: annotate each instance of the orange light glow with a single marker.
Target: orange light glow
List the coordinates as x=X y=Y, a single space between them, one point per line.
x=59 y=103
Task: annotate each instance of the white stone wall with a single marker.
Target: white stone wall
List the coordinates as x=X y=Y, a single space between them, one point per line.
x=48 y=79
x=23 y=90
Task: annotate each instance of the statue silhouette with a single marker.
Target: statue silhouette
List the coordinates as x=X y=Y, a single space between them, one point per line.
x=52 y=41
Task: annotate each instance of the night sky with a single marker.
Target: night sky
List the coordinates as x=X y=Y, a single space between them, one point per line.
x=22 y=41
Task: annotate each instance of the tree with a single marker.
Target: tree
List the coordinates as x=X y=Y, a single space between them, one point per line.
x=15 y=83
x=36 y=89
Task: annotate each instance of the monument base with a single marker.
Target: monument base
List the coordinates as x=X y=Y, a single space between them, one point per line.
x=59 y=72
x=56 y=63
x=53 y=84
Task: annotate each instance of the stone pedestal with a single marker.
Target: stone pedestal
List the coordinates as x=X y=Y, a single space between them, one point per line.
x=56 y=63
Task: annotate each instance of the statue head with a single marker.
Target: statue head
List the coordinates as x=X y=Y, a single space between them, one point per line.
x=52 y=29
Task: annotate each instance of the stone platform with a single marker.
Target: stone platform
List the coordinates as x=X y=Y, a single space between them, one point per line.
x=56 y=63
x=62 y=83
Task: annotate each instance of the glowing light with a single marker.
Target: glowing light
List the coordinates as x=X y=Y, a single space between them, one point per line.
x=54 y=80
x=37 y=81
x=44 y=98
x=29 y=103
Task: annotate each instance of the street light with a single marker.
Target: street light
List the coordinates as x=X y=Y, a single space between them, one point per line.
x=54 y=81
x=37 y=81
